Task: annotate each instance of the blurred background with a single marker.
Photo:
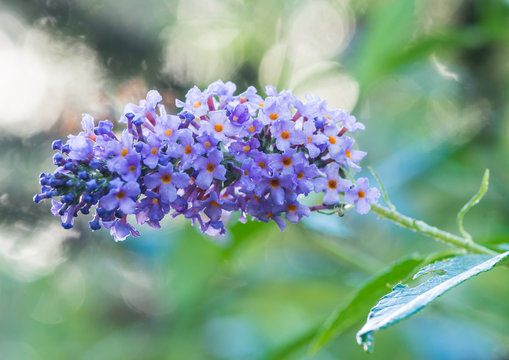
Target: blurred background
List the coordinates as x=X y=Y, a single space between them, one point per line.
x=428 y=78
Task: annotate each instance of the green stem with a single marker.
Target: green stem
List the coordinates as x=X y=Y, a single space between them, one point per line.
x=428 y=230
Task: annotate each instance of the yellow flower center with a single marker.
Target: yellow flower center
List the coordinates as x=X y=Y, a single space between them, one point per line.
x=348 y=154
x=120 y=195
x=132 y=168
x=361 y=194
x=210 y=167
x=165 y=179
x=218 y=128
x=197 y=104
x=154 y=150
x=246 y=148
x=273 y=116
x=285 y=135
x=332 y=140
x=188 y=149
x=287 y=161
x=168 y=132
x=251 y=129
x=124 y=152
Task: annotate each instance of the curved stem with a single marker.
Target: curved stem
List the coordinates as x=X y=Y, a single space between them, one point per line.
x=428 y=230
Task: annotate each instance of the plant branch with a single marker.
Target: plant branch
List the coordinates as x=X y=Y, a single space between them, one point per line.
x=431 y=231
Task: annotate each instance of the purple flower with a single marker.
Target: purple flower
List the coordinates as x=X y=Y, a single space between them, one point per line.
x=150 y=151
x=168 y=181
x=332 y=184
x=216 y=125
x=286 y=135
x=243 y=149
x=362 y=196
x=239 y=115
x=129 y=167
x=121 y=196
x=196 y=102
x=188 y=149
x=209 y=168
x=312 y=140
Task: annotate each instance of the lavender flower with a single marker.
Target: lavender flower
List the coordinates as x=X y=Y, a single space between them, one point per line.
x=222 y=153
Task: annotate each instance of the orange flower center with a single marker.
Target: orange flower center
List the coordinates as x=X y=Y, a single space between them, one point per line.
x=251 y=129
x=197 y=104
x=214 y=203
x=285 y=135
x=262 y=164
x=168 y=132
x=245 y=173
x=188 y=150
x=332 y=184
x=309 y=140
x=246 y=148
x=165 y=179
x=132 y=168
x=273 y=116
x=218 y=128
x=274 y=183
x=154 y=150
x=243 y=99
x=287 y=161
x=124 y=152
x=207 y=144
x=155 y=201
x=210 y=167
x=332 y=140
x=120 y=195
x=300 y=175
x=291 y=207
x=361 y=194
x=235 y=118
x=261 y=104
x=348 y=154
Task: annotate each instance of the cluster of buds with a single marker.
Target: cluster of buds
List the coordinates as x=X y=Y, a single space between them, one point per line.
x=222 y=153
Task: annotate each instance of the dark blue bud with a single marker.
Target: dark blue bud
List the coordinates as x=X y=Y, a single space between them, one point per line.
x=43 y=179
x=91 y=184
x=70 y=166
x=66 y=148
x=189 y=116
x=217 y=224
x=94 y=163
x=319 y=122
x=180 y=204
x=104 y=128
x=56 y=145
x=87 y=198
x=85 y=210
x=138 y=147
x=164 y=160
x=103 y=213
x=37 y=198
x=83 y=175
x=67 y=225
x=94 y=224
x=53 y=182
x=45 y=189
x=68 y=198
x=129 y=116
x=182 y=114
x=58 y=159
x=119 y=214
x=69 y=183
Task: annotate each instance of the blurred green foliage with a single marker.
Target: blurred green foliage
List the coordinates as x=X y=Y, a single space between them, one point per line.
x=428 y=78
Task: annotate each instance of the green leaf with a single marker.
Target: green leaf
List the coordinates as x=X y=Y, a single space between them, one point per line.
x=404 y=301
x=352 y=312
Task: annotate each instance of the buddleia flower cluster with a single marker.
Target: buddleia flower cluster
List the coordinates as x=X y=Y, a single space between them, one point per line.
x=221 y=153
